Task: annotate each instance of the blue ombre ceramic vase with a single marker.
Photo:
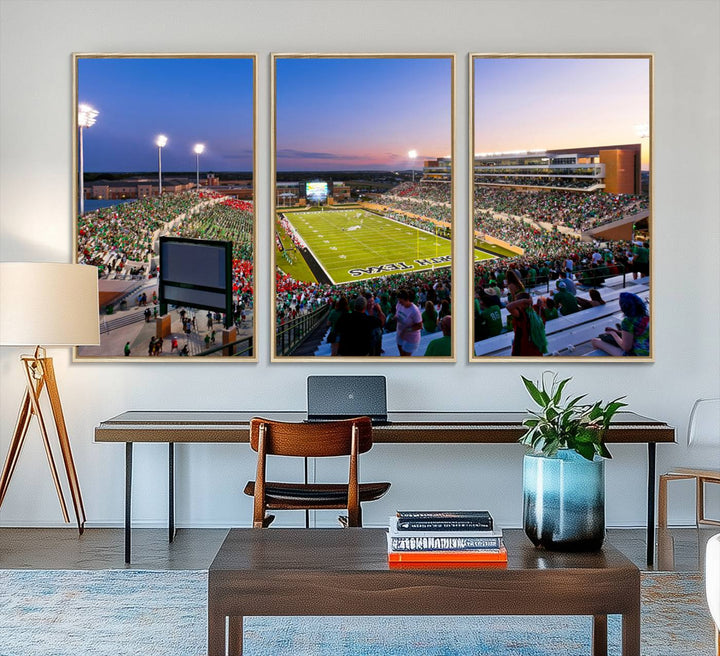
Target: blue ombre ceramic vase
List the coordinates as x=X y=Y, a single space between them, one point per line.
x=564 y=501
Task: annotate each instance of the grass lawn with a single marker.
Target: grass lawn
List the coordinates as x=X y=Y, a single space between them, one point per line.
x=357 y=245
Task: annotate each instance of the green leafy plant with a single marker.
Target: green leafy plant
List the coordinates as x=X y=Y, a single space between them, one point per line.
x=567 y=424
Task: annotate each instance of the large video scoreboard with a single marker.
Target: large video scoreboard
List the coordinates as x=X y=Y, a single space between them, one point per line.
x=316 y=192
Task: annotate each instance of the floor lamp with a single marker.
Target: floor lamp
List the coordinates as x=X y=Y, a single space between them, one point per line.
x=46 y=304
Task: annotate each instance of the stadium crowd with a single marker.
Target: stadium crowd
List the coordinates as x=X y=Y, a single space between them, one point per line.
x=290 y=231
x=563 y=208
x=295 y=298
x=227 y=220
x=437 y=192
x=588 y=263
x=110 y=237
x=536 y=181
x=534 y=241
x=424 y=199
x=504 y=283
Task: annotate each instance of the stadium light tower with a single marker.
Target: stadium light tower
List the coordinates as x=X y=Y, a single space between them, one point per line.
x=160 y=142
x=86 y=118
x=199 y=149
x=412 y=154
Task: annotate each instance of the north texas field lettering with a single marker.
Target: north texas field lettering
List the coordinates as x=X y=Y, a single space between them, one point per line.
x=397 y=266
x=434 y=260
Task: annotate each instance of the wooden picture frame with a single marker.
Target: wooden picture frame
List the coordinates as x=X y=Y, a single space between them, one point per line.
x=338 y=119
x=561 y=178
x=164 y=146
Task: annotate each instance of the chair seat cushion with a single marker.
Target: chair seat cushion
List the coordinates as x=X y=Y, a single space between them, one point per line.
x=315 y=495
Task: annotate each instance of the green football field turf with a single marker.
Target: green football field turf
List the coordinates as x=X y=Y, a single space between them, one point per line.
x=356 y=245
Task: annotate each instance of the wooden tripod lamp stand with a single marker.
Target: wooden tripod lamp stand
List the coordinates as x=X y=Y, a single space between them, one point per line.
x=54 y=305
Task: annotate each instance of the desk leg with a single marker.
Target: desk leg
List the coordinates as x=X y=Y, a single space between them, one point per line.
x=171 y=491
x=651 y=505
x=128 y=497
x=599 y=635
x=235 y=636
x=307 y=512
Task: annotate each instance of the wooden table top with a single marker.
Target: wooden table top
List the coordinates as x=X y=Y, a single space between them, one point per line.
x=405 y=426
x=365 y=550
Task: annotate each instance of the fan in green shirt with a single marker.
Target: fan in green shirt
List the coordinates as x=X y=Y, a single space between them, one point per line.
x=531 y=277
x=442 y=346
x=565 y=301
x=489 y=319
x=429 y=318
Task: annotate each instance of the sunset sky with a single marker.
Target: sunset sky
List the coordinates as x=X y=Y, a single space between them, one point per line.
x=364 y=113
x=190 y=101
x=352 y=113
x=546 y=103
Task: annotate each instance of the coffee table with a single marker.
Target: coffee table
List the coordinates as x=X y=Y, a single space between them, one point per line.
x=275 y=572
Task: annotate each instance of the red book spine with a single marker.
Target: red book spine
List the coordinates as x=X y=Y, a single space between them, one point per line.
x=485 y=556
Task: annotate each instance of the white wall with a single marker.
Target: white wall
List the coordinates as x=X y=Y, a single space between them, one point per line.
x=37 y=39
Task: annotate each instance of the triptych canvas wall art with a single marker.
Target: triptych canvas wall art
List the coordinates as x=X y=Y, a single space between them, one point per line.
x=363 y=209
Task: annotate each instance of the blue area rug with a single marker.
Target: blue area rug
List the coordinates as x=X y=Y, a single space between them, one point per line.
x=131 y=612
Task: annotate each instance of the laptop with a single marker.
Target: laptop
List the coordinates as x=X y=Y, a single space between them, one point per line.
x=330 y=398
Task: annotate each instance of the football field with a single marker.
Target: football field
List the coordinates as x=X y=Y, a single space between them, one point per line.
x=356 y=245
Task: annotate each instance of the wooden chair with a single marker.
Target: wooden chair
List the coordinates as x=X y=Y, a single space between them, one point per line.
x=349 y=437
x=703 y=429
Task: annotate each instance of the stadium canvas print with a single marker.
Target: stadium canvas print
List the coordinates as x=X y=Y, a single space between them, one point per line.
x=164 y=203
x=561 y=228
x=363 y=206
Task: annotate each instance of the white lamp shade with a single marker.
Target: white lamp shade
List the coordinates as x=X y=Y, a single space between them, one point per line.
x=48 y=304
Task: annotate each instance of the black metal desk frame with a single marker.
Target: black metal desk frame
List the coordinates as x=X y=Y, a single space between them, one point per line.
x=403 y=427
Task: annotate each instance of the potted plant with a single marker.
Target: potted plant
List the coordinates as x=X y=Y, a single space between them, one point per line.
x=564 y=468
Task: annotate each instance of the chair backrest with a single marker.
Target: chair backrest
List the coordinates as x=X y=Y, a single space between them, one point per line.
x=704 y=423
x=311 y=440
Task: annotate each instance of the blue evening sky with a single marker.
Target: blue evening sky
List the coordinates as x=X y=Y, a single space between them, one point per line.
x=362 y=113
x=189 y=100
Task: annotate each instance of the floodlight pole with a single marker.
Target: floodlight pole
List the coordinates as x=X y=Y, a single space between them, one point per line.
x=199 y=148
x=86 y=118
x=160 y=142
x=81 y=171
x=412 y=154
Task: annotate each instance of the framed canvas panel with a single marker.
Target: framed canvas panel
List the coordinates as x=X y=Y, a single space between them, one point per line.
x=363 y=207
x=164 y=203
x=561 y=198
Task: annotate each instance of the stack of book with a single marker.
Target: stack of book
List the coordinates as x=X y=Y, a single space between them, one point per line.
x=463 y=537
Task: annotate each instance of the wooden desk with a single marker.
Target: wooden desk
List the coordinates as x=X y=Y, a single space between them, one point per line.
x=277 y=572
x=173 y=427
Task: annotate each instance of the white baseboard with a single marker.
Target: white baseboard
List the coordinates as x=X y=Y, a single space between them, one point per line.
x=140 y=524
